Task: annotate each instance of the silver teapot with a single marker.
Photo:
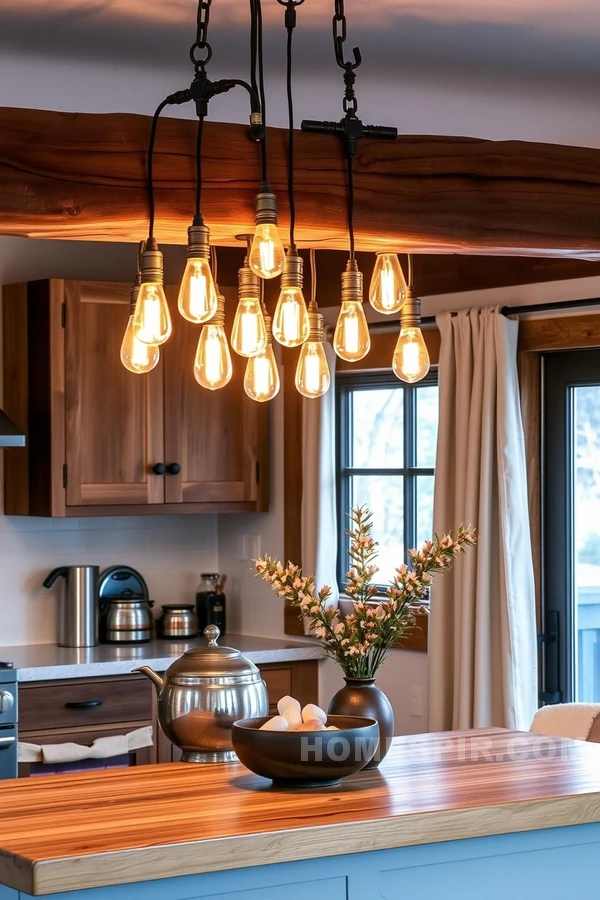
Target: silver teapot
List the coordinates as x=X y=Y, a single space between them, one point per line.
x=202 y=694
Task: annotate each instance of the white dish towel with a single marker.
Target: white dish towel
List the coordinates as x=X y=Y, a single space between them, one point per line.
x=102 y=748
x=566 y=720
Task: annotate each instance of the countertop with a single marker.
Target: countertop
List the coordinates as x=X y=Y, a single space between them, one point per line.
x=46 y=662
x=88 y=830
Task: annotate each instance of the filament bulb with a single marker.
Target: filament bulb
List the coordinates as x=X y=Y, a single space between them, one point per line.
x=197 y=301
x=249 y=334
x=212 y=365
x=152 y=320
x=267 y=256
x=290 y=324
x=312 y=373
x=351 y=340
x=411 y=359
x=261 y=381
x=387 y=291
x=135 y=355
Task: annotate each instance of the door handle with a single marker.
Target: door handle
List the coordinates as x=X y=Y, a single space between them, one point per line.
x=83 y=704
x=5 y=742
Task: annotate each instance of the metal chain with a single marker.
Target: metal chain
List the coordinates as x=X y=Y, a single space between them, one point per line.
x=350 y=103
x=201 y=42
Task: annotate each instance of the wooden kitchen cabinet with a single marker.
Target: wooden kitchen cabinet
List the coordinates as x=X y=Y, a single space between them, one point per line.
x=95 y=431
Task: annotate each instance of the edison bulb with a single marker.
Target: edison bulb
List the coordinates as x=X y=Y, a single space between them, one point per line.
x=312 y=372
x=212 y=365
x=352 y=340
x=261 y=381
x=387 y=291
x=411 y=359
x=249 y=333
x=267 y=256
x=290 y=323
x=135 y=355
x=151 y=319
x=197 y=301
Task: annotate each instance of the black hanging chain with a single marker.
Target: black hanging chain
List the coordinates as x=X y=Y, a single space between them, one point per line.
x=201 y=51
x=350 y=103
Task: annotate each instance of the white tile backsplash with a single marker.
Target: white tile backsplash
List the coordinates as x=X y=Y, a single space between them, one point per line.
x=169 y=551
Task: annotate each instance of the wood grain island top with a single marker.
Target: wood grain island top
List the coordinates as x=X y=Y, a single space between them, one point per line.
x=85 y=830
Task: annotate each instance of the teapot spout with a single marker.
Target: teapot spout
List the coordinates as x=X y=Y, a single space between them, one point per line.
x=153 y=676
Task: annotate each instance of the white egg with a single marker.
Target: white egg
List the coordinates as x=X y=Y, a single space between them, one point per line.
x=277 y=723
x=312 y=725
x=293 y=716
x=312 y=711
x=287 y=702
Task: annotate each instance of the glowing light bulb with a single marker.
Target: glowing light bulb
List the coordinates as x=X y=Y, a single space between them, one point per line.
x=312 y=372
x=212 y=365
x=197 y=300
x=290 y=323
x=267 y=256
x=135 y=355
x=261 y=381
x=387 y=291
x=351 y=340
x=411 y=359
x=152 y=320
x=249 y=333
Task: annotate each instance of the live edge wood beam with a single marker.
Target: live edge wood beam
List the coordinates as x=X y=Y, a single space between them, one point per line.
x=82 y=176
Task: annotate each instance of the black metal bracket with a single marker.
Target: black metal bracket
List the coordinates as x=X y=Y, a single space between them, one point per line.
x=351 y=129
x=202 y=90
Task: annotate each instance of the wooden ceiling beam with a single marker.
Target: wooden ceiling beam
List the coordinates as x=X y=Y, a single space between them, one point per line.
x=82 y=176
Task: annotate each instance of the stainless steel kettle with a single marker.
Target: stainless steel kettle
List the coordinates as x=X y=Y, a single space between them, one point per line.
x=202 y=694
x=77 y=605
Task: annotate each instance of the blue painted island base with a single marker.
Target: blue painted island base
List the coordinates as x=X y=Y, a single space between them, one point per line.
x=553 y=864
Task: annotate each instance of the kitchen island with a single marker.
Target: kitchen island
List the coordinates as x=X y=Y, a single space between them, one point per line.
x=486 y=814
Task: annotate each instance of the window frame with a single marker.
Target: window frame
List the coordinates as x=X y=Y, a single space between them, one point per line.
x=345 y=384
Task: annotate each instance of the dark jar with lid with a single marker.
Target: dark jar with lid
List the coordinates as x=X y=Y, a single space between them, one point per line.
x=210 y=603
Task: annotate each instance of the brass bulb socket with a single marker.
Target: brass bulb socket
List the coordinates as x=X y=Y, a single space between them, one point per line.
x=256 y=118
x=198 y=245
x=151 y=265
x=293 y=271
x=410 y=316
x=352 y=283
x=248 y=282
x=316 y=332
x=219 y=316
x=265 y=207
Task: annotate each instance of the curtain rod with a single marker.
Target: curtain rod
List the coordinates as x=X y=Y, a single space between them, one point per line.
x=509 y=311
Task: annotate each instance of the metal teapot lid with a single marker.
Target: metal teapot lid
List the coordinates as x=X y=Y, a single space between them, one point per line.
x=212 y=660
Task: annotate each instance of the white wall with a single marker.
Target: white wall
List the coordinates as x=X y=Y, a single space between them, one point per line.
x=169 y=551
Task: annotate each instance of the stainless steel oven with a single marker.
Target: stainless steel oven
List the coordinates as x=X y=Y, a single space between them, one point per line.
x=9 y=718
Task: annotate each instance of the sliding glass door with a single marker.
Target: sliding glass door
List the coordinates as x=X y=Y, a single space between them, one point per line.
x=571 y=512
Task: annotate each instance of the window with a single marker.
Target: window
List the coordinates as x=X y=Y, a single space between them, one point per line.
x=386 y=456
x=571 y=508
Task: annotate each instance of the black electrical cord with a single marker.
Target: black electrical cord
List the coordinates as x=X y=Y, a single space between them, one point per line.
x=150 y=166
x=350 y=159
x=290 y=101
x=198 y=211
x=261 y=85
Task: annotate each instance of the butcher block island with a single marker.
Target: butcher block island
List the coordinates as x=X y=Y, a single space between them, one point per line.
x=479 y=814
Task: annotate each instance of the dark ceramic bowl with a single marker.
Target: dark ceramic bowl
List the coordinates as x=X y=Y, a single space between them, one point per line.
x=306 y=758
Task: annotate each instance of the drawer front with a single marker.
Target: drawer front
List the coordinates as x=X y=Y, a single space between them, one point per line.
x=86 y=736
x=94 y=701
x=279 y=684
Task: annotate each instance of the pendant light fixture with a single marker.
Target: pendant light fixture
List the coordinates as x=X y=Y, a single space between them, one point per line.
x=261 y=379
x=388 y=289
x=136 y=356
x=312 y=372
x=249 y=333
x=290 y=323
x=411 y=359
x=212 y=365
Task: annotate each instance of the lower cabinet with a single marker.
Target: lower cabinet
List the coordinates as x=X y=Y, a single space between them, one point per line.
x=81 y=710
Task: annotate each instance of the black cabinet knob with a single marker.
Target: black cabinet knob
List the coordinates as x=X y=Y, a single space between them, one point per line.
x=159 y=468
x=174 y=469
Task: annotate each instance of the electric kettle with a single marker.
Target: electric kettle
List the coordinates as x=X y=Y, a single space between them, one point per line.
x=77 y=605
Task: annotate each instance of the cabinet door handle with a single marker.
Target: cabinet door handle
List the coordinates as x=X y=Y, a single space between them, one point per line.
x=159 y=468
x=83 y=704
x=6 y=742
x=174 y=469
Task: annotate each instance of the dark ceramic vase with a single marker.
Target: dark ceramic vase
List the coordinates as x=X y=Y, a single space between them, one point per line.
x=362 y=697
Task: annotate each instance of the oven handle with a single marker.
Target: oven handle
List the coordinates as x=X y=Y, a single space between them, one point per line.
x=6 y=741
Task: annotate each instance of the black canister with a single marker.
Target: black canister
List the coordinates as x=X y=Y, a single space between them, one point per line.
x=211 y=603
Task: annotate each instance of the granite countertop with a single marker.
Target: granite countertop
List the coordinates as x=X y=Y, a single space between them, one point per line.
x=46 y=662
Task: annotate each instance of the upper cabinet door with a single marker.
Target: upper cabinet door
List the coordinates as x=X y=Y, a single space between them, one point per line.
x=114 y=419
x=216 y=439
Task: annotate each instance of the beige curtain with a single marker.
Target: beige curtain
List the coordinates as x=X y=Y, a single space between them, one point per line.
x=482 y=631
x=319 y=511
